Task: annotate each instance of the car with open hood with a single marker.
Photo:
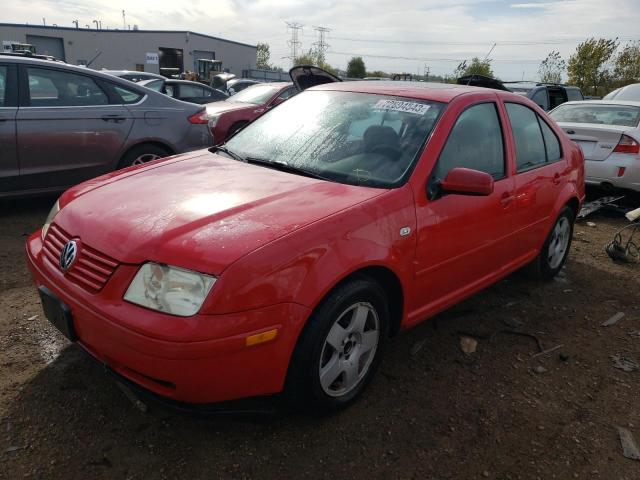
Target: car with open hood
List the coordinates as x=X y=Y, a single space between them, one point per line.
x=284 y=259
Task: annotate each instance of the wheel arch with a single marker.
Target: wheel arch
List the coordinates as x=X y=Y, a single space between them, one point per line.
x=388 y=281
x=156 y=143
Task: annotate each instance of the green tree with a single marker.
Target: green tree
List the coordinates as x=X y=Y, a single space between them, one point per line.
x=589 y=68
x=312 y=58
x=551 y=68
x=627 y=65
x=263 y=55
x=356 y=68
x=476 y=67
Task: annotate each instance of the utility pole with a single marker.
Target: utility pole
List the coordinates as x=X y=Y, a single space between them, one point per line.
x=76 y=23
x=44 y=22
x=96 y=22
x=321 y=45
x=124 y=20
x=426 y=72
x=295 y=42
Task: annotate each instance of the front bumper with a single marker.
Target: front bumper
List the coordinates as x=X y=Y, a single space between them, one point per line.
x=196 y=369
x=608 y=171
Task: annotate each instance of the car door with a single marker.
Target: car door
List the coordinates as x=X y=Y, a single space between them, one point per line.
x=67 y=128
x=464 y=241
x=9 y=169
x=539 y=177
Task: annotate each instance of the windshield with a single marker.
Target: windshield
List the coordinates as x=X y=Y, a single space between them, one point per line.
x=347 y=137
x=627 y=116
x=257 y=94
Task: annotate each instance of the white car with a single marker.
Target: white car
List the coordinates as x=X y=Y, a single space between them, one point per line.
x=608 y=133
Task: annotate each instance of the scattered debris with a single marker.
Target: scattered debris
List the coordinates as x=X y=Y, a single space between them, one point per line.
x=629 y=448
x=563 y=356
x=491 y=336
x=539 y=369
x=417 y=347
x=512 y=322
x=548 y=350
x=613 y=320
x=627 y=364
x=13 y=448
x=589 y=207
x=626 y=251
x=468 y=345
x=32 y=318
x=591 y=224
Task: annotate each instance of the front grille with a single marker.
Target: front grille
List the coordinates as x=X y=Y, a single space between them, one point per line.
x=91 y=270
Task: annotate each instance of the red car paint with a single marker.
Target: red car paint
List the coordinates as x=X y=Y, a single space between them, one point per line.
x=232 y=114
x=279 y=242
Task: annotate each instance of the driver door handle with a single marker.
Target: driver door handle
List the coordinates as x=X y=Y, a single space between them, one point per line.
x=506 y=199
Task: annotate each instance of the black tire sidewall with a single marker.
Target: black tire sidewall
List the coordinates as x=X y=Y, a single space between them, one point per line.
x=129 y=157
x=303 y=389
x=546 y=272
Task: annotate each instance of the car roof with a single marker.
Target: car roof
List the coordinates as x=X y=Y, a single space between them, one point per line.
x=438 y=92
x=629 y=103
x=183 y=82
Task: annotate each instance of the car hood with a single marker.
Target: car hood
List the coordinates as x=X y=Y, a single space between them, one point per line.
x=228 y=106
x=202 y=212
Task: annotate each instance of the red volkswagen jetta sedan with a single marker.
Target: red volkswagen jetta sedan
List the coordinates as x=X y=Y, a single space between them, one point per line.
x=283 y=260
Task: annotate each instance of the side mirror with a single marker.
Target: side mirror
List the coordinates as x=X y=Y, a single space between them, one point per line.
x=465 y=181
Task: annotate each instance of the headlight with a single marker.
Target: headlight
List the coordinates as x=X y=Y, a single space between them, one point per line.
x=47 y=223
x=168 y=289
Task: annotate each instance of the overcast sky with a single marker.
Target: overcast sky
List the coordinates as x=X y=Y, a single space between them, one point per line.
x=391 y=35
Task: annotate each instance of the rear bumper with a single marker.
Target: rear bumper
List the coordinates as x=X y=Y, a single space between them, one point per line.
x=608 y=171
x=215 y=369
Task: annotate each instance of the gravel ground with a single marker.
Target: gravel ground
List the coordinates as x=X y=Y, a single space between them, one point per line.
x=432 y=411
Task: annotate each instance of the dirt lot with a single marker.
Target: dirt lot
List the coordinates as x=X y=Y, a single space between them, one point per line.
x=432 y=412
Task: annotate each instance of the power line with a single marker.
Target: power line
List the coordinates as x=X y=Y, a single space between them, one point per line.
x=321 y=45
x=295 y=42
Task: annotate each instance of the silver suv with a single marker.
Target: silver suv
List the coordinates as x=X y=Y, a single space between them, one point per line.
x=60 y=125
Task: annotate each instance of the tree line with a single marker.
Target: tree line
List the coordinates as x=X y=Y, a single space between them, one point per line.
x=597 y=66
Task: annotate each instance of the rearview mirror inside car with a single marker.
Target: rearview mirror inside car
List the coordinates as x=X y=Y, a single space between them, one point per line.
x=465 y=181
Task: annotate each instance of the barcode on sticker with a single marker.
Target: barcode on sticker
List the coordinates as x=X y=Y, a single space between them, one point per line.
x=401 y=106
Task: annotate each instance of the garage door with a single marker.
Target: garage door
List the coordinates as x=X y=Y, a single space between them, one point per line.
x=202 y=54
x=47 y=45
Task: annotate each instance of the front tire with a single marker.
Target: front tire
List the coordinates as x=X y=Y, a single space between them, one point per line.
x=555 y=250
x=340 y=348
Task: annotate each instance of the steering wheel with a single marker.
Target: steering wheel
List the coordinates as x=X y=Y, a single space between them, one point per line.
x=387 y=150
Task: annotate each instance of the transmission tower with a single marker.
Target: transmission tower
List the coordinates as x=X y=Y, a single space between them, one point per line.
x=295 y=42
x=321 y=45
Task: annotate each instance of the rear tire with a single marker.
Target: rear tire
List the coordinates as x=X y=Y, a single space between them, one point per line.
x=340 y=348
x=141 y=154
x=555 y=249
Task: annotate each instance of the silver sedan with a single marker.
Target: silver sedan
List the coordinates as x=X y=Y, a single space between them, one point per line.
x=61 y=124
x=608 y=133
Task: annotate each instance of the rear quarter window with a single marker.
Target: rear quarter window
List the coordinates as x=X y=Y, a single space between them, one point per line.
x=126 y=95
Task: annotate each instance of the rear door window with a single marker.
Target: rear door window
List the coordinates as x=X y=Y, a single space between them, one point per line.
x=531 y=151
x=190 y=91
x=541 y=99
x=475 y=142
x=3 y=84
x=57 y=88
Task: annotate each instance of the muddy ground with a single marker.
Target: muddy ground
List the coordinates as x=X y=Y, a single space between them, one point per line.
x=432 y=411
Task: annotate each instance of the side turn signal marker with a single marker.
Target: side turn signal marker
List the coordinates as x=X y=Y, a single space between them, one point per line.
x=261 y=337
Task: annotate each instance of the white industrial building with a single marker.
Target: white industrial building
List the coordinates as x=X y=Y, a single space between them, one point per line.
x=158 y=51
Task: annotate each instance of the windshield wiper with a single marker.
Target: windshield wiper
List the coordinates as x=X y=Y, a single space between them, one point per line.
x=231 y=153
x=285 y=167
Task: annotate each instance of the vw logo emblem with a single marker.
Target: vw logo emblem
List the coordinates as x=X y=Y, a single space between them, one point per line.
x=68 y=255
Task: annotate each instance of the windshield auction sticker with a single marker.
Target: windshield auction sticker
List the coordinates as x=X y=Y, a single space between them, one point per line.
x=400 y=106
